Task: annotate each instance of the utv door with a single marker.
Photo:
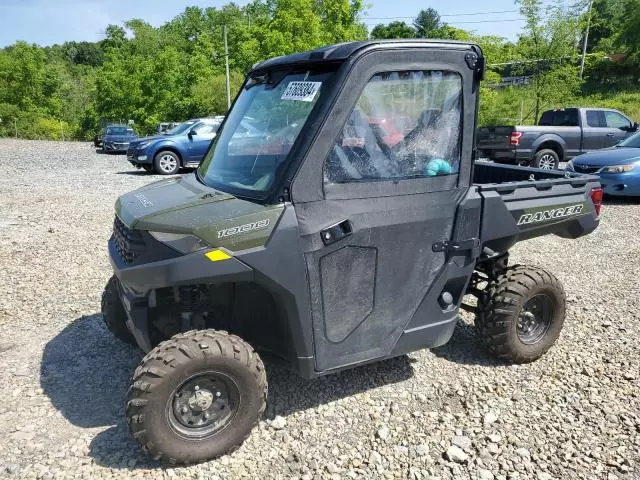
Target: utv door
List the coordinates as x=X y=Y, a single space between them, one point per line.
x=388 y=170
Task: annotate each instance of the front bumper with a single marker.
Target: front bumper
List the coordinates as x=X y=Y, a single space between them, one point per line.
x=138 y=282
x=115 y=147
x=139 y=157
x=622 y=184
x=615 y=184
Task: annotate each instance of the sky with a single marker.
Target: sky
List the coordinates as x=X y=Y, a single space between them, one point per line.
x=47 y=22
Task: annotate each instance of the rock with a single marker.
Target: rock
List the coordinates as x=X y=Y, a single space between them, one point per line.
x=462 y=442
x=375 y=458
x=494 y=438
x=544 y=476
x=490 y=418
x=401 y=450
x=523 y=452
x=383 y=433
x=485 y=474
x=331 y=468
x=493 y=448
x=422 y=450
x=279 y=422
x=629 y=375
x=456 y=454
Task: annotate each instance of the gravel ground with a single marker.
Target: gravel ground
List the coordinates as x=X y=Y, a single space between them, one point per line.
x=449 y=413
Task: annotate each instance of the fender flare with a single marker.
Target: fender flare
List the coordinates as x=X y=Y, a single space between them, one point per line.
x=549 y=138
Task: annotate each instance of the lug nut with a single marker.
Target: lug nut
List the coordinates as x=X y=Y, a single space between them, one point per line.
x=196 y=388
x=184 y=410
x=206 y=415
x=217 y=394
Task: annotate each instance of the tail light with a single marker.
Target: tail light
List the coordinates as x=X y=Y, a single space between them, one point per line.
x=515 y=138
x=596 y=197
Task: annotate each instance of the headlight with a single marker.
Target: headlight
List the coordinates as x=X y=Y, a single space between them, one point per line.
x=182 y=242
x=618 y=168
x=570 y=166
x=142 y=145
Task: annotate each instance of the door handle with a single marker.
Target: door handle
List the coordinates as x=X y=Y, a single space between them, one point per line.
x=611 y=134
x=336 y=232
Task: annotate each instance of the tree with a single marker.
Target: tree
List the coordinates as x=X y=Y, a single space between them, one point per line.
x=393 y=30
x=629 y=37
x=547 y=51
x=339 y=19
x=427 y=24
x=607 y=17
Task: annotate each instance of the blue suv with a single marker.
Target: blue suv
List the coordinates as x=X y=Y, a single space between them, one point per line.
x=183 y=146
x=117 y=138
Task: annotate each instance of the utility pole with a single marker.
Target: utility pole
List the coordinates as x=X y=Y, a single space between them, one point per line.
x=226 y=65
x=586 y=39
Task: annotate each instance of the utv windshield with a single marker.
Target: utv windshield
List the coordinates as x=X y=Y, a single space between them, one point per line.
x=253 y=147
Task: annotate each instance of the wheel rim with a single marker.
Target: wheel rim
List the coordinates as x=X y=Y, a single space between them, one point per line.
x=168 y=163
x=203 y=405
x=534 y=319
x=547 y=162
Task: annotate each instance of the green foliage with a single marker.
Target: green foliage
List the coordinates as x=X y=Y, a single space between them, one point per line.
x=210 y=95
x=428 y=24
x=547 y=51
x=393 y=30
x=629 y=37
x=170 y=73
x=606 y=18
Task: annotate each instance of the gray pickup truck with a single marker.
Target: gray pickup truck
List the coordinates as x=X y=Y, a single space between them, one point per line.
x=559 y=136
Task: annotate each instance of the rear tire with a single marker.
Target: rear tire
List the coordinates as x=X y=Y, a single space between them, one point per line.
x=521 y=314
x=115 y=318
x=166 y=162
x=546 y=159
x=196 y=397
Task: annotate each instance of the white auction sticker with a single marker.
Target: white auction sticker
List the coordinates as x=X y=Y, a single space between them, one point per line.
x=302 y=91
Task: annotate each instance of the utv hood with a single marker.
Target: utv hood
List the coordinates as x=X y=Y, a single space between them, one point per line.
x=184 y=205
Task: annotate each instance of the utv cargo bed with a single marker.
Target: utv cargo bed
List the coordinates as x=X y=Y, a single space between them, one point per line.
x=521 y=203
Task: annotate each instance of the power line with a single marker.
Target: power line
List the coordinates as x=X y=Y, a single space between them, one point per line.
x=448 y=15
x=473 y=22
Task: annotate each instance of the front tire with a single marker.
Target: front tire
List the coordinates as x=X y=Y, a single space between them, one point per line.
x=166 y=162
x=521 y=315
x=196 y=397
x=115 y=318
x=546 y=159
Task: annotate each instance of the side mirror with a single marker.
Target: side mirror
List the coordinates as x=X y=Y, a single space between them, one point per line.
x=192 y=133
x=635 y=127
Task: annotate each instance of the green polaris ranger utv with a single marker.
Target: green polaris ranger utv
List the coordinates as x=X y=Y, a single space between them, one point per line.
x=338 y=218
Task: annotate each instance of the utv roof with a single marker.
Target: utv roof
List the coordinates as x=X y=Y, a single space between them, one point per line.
x=342 y=51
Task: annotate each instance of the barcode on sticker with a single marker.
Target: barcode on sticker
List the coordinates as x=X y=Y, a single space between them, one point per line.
x=302 y=91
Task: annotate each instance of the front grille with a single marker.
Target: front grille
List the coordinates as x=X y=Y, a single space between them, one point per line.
x=128 y=242
x=586 y=168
